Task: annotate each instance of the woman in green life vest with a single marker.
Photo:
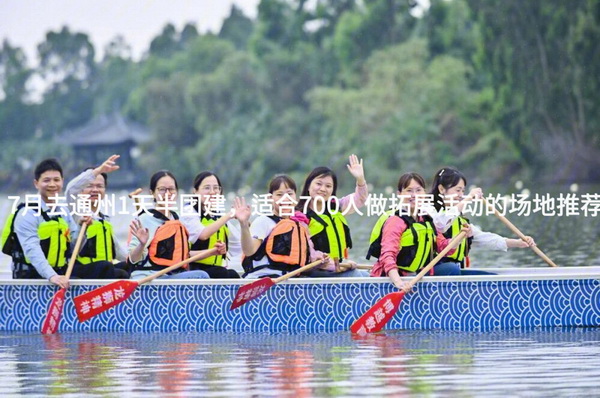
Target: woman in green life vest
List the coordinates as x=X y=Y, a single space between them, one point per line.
x=328 y=227
x=448 y=190
x=206 y=227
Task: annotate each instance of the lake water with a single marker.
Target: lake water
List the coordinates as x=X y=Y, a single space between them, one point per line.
x=553 y=362
x=538 y=363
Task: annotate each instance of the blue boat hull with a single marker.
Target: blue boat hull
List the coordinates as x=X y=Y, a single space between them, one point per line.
x=482 y=303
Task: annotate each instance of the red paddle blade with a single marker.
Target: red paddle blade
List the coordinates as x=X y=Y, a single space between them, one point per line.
x=50 y=325
x=251 y=291
x=378 y=315
x=94 y=302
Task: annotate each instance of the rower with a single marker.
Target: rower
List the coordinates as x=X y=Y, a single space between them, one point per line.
x=100 y=249
x=328 y=227
x=448 y=189
x=277 y=243
x=206 y=228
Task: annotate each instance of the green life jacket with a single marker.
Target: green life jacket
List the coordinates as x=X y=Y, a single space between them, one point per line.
x=99 y=245
x=464 y=247
x=54 y=237
x=417 y=243
x=10 y=242
x=222 y=235
x=330 y=233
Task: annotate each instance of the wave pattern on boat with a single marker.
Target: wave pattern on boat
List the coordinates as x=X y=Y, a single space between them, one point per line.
x=461 y=303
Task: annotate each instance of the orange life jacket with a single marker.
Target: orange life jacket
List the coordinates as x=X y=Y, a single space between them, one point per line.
x=170 y=243
x=286 y=247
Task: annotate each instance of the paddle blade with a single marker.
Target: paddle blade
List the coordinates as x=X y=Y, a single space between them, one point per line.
x=251 y=291
x=50 y=325
x=94 y=302
x=378 y=315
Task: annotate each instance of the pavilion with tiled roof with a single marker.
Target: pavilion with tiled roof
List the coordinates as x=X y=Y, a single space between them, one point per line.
x=103 y=136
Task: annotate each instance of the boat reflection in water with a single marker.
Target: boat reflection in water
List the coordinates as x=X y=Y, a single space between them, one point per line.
x=396 y=363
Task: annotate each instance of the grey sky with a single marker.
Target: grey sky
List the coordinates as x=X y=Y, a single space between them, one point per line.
x=25 y=22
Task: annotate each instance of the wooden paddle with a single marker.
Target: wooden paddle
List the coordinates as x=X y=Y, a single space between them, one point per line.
x=516 y=230
x=379 y=314
x=96 y=301
x=133 y=195
x=252 y=290
x=50 y=325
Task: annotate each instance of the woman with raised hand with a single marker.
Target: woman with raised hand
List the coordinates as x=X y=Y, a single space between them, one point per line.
x=207 y=229
x=448 y=190
x=328 y=227
x=158 y=239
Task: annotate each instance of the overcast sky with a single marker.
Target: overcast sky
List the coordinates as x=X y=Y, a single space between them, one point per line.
x=25 y=22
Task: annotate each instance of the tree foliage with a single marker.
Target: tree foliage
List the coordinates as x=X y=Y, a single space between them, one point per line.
x=499 y=89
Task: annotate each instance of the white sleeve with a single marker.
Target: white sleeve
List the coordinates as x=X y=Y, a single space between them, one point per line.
x=191 y=221
x=234 y=249
x=120 y=251
x=78 y=184
x=261 y=227
x=148 y=222
x=442 y=220
x=488 y=240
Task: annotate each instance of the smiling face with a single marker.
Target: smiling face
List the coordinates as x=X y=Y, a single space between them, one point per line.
x=410 y=193
x=321 y=186
x=166 y=190
x=49 y=184
x=96 y=189
x=208 y=190
x=286 y=196
x=456 y=193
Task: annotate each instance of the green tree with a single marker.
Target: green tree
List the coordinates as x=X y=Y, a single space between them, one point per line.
x=451 y=29
x=376 y=24
x=237 y=28
x=117 y=77
x=413 y=111
x=69 y=71
x=17 y=117
x=542 y=59
x=165 y=44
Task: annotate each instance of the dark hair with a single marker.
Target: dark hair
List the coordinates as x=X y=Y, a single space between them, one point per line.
x=158 y=175
x=405 y=179
x=204 y=174
x=280 y=179
x=447 y=177
x=47 y=165
x=102 y=174
x=321 y=171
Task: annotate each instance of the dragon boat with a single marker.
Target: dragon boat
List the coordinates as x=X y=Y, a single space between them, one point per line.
x=513 y=298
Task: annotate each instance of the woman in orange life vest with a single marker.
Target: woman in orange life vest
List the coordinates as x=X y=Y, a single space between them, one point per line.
x=407 y=241
x=158 y=239
x=329 y=230
x=207 y=229
x=447 y=188
x=260 y=241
